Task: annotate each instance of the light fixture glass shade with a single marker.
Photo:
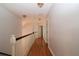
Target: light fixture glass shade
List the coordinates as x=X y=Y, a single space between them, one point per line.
x=40 y=4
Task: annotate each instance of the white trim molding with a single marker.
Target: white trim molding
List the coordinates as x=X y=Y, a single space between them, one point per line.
x=51 y=51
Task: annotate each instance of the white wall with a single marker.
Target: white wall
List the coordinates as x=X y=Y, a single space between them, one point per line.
x=64 y=29
x=9 y=25
x=28 y=26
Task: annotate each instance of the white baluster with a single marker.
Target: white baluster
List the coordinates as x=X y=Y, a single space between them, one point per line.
x=13 y=44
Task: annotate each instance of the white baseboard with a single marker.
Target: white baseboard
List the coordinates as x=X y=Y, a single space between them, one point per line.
x=51 y=51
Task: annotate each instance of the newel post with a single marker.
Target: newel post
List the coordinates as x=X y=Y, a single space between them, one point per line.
x=13 y=45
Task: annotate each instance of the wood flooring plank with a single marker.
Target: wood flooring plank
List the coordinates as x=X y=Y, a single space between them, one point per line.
x=39 y=48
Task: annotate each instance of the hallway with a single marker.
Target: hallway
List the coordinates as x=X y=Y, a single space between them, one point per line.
x=22 y=25
x=39 y=48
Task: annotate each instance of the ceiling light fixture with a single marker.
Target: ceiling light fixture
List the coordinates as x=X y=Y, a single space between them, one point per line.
x=40 y=4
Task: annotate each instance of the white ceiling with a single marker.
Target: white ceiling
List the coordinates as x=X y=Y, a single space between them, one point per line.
x=28 y=8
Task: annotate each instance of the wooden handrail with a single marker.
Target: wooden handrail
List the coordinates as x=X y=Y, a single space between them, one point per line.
x=24 y=36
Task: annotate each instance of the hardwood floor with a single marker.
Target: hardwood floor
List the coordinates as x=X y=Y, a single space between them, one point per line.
x=39 y=48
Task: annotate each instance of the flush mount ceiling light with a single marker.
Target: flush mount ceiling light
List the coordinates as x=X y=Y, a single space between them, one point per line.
x=40 y=4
